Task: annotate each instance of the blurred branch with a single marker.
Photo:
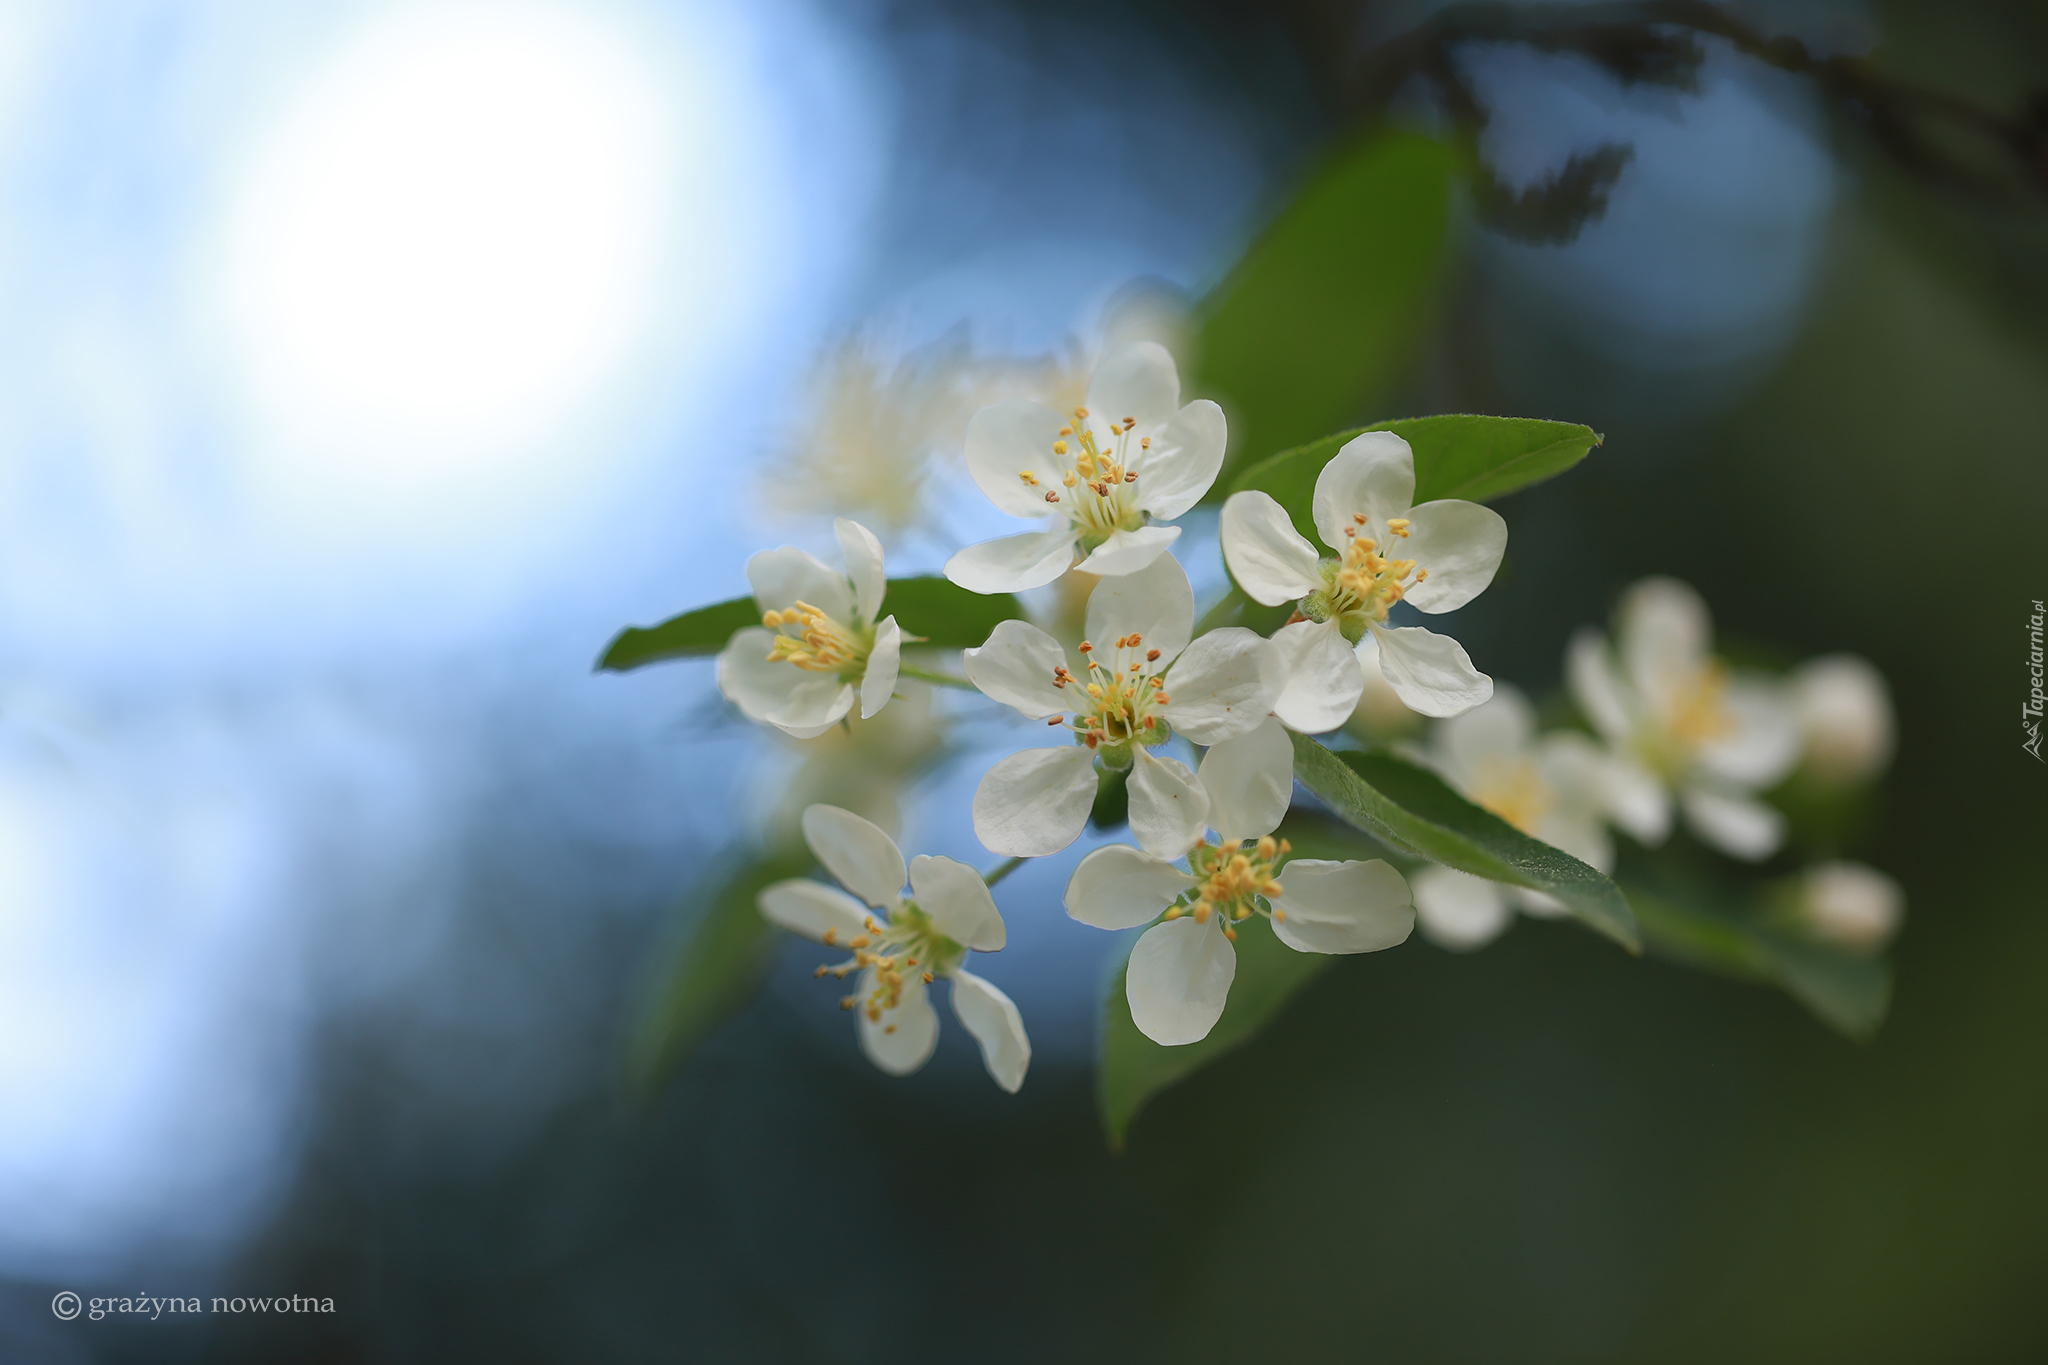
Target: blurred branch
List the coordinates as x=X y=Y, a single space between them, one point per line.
x=1942 y=139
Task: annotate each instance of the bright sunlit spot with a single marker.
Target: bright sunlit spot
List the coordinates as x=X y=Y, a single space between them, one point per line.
x=445 y=244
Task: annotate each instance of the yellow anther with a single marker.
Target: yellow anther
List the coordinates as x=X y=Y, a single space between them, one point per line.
x=1202 y=912
x=1268 y=847
x=1087 y=648
x=1270 y=888
x=890 y=1029
x=1030 y=479
x=1066 y=431
x=1059 y=447
x=1230 y=933
x=1130 y=422
x=859 y=942
x=1278 y=913
x=1175 y=911
x=927 y=978
x=1398 y=525
x=1080 y=412
x=831 y=937
x=847 y=1003
x=1144 y=443
x=1095 y=691
x=1421 y=574
x=820 y=972
x=1070 y=479
x=874 y=1014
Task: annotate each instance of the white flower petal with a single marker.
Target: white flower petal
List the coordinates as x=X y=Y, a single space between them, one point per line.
x=1250 y=782
x=864 y=859
x=1007 y=440
x=1636 y=800
x=781 y=578
x=1223 y=685
x=813 y=910
x=1016 y=668
x=1431 y=673
x=993 y=1019
x=1265 y=554
x=1596 y=686
x=1035 y=802
x=863 y=566
x=1503 y=727
x=1347 y=907
x=1014 y=563
x=902 y=1040
x=1845 y=711
x=1179 y=979
x=885 y=662
x=1460 y=544
x=1139 y=380
x=1375 y=474
x=1120 y=887
x=1765 y=739
x=1664 y=634
x=1181 y=464
x=1324 y=678
x=1740 y=826
x=1169 y=809
x=1126 y=552
x=958 y=901
x=1156 y=602
x=1458 y=910
x=779 y=694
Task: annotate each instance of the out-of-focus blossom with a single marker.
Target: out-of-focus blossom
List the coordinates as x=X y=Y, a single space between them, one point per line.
x=1141 y=680
x=818 y=645
x=1437 y=557
x=1129 y=457
x=901 y=944
x=1560 y=788
x=1845 y=714
x=1180 y=972
x=876 y=424
x=1850 y=905
x=864 y=766
x=1380 y=714
x=1681 y=722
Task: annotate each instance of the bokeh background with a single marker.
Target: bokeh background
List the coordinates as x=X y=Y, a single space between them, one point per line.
x=363 y=367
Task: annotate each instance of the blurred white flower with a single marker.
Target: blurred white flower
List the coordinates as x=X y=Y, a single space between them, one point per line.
x=1680 y=721
x=1180 y=972
x=1845 y=713
x=1129 y=457
x=1850 y=905
x=1363 y=510
x=818 y=643
x=864 y=766
x=904 y=946
x=1559 y=788
x=1380 y=714
x=1141 y=681
x=875 y=424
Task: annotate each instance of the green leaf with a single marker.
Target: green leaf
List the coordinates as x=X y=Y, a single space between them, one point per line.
x=1134 y=1068
x=713 y=971
x=691 y=635
x=941 y=611
x=1328 y=310
x=945 y=613
x=1411 y=808
x=1846 y=991
x=1457 y=455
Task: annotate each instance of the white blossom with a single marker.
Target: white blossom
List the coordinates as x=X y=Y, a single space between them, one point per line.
x=902 y=944
x=1180 y=972
x=1680 y=722
x=1436 y=557
x=1850 y=905
x=819 y=647
x=1560 y=788
x=1130 y=457
x=1845 y=717
x=1139 y=681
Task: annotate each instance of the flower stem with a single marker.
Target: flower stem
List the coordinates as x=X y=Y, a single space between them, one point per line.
x=943 y=679
x=1001 y=871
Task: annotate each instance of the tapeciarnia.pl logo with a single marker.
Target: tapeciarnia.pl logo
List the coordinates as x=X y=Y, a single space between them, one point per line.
x=2030 y=713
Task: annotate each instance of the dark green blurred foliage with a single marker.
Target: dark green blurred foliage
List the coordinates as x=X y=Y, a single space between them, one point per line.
x=1332 y=305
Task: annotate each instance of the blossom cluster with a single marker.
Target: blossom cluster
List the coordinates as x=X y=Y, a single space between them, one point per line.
x=1183 y=729
x=1189 y=724
x=1674 y=731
